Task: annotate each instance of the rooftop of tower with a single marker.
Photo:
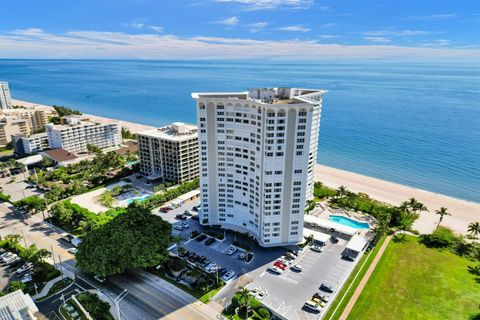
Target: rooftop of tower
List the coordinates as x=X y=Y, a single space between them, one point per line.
x=283 y=95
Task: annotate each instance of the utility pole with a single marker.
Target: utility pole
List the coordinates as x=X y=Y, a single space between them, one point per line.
x=53 y=255
x=61 y=267
x=24 y=240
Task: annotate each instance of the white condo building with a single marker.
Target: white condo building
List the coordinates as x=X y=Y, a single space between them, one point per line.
x=5 y=98
x=77 y=133
x=257 y=155
x=169 y=153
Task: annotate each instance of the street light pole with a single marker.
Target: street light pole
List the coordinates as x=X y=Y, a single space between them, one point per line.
x=61 y=267
x=117 y=300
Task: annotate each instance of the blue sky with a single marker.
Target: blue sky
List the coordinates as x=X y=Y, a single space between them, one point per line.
x=239 y=29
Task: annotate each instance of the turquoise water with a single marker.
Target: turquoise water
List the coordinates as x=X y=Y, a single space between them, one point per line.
x=412 y=123
x=349 y=222
x=139 y=198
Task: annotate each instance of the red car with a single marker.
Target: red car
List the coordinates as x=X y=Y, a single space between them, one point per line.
x=280 y=265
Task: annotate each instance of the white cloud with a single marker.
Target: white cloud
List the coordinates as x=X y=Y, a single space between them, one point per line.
x=294 y=29
x=228 y=21
x=35 y=43
x=272 y=4
x=137 y=25
x=258 y=26
x=432 y=17
x=327 y=36
x=377 y=39
x=399 y=33
x=157 y=28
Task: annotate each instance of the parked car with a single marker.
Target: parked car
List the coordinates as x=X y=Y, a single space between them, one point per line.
x=100 y=278
x=311 y=305
x=181 y=217
x=178 y=226
x=210 y=241
x=327 y=287
x=242 y=256
x=280 y=265
x=262 y=294
x=317 y=248
x=12 y=259
x=222 y=271
x=24 y=268
x=275 y=270
x=73 y=250
x=185 y=225
x=195 y=208
x=195 y=217
x=321 y=296
x=297 y=267
x=334 y=239
x=229 y=275
x=255 y=290
x=188 y=213
x=26 y=278
x=200 y=238
x=231 y=251
x=165 y=209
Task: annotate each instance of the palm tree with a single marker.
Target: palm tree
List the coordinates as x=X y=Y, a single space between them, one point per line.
x=416 y=205
x=442 y=212
x=244 y=299
x=474 y=229
x=342 y=191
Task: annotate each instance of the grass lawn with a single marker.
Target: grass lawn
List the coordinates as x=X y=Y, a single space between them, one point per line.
x=59 y=285
x=360 y=269
x=412 y=281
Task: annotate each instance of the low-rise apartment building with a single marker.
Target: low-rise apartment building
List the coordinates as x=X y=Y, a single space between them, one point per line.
x=24 y=145
x=77 y=133
x=37 y=119
x=169 y=153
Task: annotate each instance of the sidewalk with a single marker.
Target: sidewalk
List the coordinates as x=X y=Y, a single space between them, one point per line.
x=47 y=288
x=365 y=279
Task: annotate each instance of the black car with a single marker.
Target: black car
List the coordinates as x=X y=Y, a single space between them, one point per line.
x=327 y=287
x=334 y=239
x=200 y=238
x=195 y=217
x=181 y=217
x=195 y=208
x=222 y=271
x=210 y=241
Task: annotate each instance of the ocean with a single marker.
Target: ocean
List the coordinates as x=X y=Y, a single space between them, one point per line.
x=414 y=123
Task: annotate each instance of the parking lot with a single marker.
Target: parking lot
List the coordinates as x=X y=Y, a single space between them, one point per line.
x=288 y=292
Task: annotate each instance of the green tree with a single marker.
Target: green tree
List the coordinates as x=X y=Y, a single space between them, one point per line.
x=134 y=239
x=474 y=230
x=244 y=299
x=16 y=285
x=94 y=149
x=32 y=204
x=442 y=212
x=40 y=256
x=106 y=198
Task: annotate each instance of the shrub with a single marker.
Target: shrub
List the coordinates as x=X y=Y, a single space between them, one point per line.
x=44 y=272
x=264 y=313
x=442 y=238
x=97 y=308
x=4 y=197
x=176 y=264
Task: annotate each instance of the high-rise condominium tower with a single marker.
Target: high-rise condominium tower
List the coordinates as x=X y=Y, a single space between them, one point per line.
x=257 y=155
x=5 y=98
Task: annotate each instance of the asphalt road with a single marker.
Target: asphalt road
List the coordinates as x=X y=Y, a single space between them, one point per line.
x=149 y=297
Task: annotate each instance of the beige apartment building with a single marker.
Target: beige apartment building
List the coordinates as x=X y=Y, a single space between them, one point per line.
x=37 y=119
x=169 y=153
x=10 y=126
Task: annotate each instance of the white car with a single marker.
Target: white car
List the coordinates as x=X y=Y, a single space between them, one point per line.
x=212 y=267
x=309 y=304
x=7 y=256
x=317 y=248
x=275 y=269
x=25 y=267
x=100 y=278
x=178 y=227
x=11 y=259
x=262 y=294
x=231 y=251
x=297 y=267
x=73 y=250
x=227 y=276
x=26 y=278
x=255 y=290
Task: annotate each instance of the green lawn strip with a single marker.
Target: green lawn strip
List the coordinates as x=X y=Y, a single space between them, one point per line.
x=76 y=307
x=205 y=297
x=360 y=269
x=58 y=286
x=412 y=281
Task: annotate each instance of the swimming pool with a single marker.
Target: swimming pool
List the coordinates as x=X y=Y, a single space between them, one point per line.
x=349 y=222
x=139 y=198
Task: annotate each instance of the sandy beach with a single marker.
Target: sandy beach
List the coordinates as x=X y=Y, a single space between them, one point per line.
x=463 y=212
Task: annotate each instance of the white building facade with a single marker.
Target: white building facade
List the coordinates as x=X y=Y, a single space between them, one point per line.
x=169 y=153
x=28 y=145
x=76 y=134
x=5 y=97
x=257 y=154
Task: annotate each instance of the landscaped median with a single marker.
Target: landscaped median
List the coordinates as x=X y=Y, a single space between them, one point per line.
x=84 y=306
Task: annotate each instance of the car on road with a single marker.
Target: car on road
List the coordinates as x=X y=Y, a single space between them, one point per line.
x=73 y=250
x=262 y=294
x=210 y=241
x=327 y=287
x=297 y=267
x=100 y=278
x=317 y=248
x=24 y=268
x=200 y=238
x=231 y=250
x=311 y=305
x=275 y=270
x=229 y=275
